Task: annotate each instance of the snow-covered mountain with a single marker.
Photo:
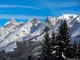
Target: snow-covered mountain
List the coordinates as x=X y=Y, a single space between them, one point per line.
x=34 y=30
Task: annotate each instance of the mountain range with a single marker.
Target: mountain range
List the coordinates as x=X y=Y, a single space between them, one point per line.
x=34 y=30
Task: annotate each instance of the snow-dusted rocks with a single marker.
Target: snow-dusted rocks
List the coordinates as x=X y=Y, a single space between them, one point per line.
x=34 y=21
x=51 y=21
x=12 y=21
x=67 y=16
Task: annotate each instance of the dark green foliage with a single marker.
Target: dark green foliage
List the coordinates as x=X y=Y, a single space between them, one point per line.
x=59 y=44
x=54 y=49
x=71 y=52
x=78 y=53
x=75 y=49
x=46 y=52
x=30 y=57
x=63 y=39
x=3 y=55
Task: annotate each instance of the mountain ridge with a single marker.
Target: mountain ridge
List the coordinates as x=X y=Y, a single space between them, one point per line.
x=14 y=31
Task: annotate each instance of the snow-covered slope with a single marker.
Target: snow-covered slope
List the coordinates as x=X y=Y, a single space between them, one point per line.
x=34 y=30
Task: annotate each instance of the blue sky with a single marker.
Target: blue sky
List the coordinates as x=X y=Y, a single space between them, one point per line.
x=26 y=9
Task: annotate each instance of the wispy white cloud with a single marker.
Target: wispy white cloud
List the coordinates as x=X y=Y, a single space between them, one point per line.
x=58 y=8
x=21 y=17
x=52 y=5
x=18 y=6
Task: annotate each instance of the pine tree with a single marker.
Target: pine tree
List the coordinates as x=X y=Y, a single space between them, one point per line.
x=53 y=41
x=3 y=55
x=46 y=52
x=53 y=45
x=71 y=52
x=75 y=49
x=63 y=39
x=30 y=57
x=78 y=50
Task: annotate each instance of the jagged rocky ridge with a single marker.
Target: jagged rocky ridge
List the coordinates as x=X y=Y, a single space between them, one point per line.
x=33 y=31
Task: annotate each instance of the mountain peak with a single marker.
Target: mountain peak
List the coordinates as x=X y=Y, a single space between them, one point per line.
x=34 y=20
x=12 y=20
x=48 y=19
x=67 y=16
x=51 y=21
